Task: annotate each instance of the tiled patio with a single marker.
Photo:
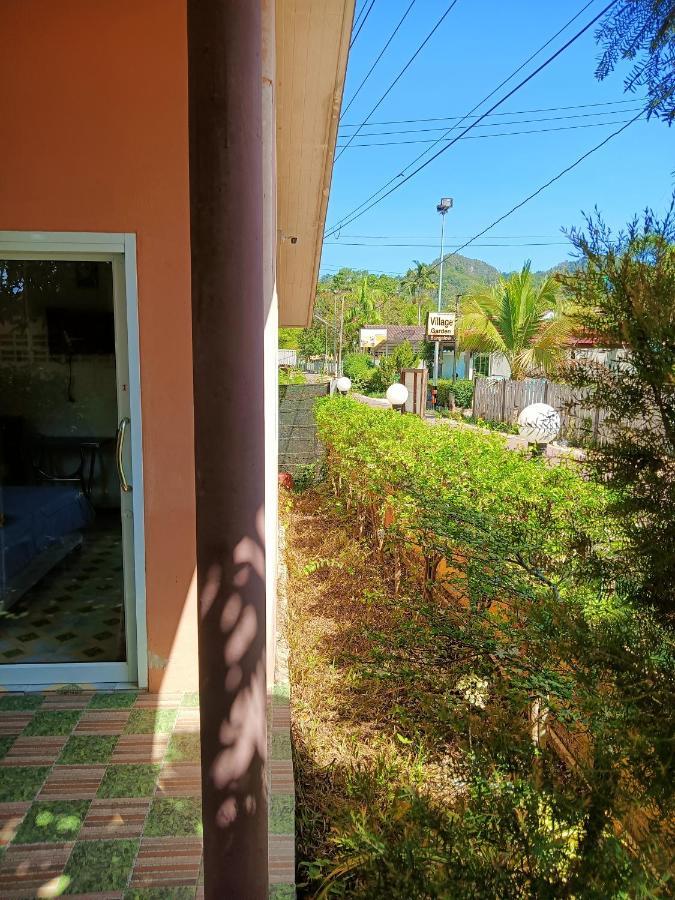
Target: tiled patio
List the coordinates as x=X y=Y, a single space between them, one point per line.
x=99 y=796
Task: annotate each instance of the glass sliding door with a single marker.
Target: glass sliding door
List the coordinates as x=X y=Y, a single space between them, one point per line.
x=66 y=526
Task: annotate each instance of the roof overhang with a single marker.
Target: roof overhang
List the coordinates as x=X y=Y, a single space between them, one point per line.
x=312 y=45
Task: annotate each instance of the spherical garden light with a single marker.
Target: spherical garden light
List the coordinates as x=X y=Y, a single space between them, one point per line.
x=539 y=423
x=397 y=394
x=343 y=384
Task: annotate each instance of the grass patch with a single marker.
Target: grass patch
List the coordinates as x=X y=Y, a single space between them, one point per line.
x=183 y=748
x=190 y=699
x=129 y=781
x=113 y=700
x=52 y=821
x=174 y=816
x=163 y=893
x=5 y=744
x=98 y=866
x=21 y=783
x=151 y=721
x=20 y=702
x=52 y=722
x=85 y=749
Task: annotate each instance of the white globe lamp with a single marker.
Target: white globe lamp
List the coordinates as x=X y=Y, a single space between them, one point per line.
x=397 y=394
x=343 y=384
x=539 y=423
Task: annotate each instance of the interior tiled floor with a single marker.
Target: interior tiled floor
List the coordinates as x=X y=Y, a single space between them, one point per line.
x=75 y=613
x=99 y=796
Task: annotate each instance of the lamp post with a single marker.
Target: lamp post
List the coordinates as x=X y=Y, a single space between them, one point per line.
x=454 y=349
x=442 y=208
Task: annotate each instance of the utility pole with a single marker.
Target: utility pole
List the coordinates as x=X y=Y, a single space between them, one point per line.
x=442 y=208
x=454 y=349
x=342 y=325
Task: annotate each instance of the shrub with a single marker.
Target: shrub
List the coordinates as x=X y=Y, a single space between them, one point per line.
x=537 y=634
x=461 y=390
x=360 y=368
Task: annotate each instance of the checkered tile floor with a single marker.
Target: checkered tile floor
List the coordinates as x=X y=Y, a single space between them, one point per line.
x=99 y=796
x=75 y=613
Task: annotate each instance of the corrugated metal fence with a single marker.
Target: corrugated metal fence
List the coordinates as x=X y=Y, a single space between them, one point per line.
x=502 y=401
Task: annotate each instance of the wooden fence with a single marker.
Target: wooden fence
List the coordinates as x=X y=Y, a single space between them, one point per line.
x=503 y=400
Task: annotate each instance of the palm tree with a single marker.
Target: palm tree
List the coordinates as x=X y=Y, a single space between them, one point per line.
x=524 y=320
x=419 y=282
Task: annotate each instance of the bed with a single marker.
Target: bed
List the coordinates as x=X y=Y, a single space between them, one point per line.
x=40 y=526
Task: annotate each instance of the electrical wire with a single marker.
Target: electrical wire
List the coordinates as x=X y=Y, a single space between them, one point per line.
x=365 y=19
x=435 y=246
x=381 y=54
x=401 y=73
x=511 y=112
x=604 y=112
x=364 y=206
x=548 y=184
x=480 y=137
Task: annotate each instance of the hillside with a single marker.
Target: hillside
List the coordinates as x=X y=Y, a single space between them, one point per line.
x=462 y=275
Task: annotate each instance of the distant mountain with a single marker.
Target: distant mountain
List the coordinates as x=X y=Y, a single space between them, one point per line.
x=462 y=275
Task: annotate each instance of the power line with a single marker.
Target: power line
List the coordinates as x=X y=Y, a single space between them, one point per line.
x=480 y=137
x=548 y=183
x=401 y=73
x=365 y=18
x=604 y=112
x=473 y=125
x=512 y=112
x=420 y=156
x=435 y=246
x=381 y=54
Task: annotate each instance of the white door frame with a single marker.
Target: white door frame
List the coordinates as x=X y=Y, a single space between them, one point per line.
x=120 y=250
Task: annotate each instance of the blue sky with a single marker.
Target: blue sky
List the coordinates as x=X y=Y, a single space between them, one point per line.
x=479 y=43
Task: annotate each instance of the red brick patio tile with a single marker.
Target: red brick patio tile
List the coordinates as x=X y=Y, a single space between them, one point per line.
x=72 y=783
x=281 y=773
x=11 y=815
x=179 y=780
x=34 y=751
x=167 y=862
x=27 y=869
x=115 y=819
x=140 y=748
x=76 y=700
x=187 y=720
x=109 y=721
x=14 y=722
x=158 y=701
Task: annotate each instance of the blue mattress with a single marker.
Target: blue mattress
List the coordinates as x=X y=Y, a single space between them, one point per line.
x=36 y=517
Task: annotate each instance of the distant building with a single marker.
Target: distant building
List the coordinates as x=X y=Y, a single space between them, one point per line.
x=381 y=340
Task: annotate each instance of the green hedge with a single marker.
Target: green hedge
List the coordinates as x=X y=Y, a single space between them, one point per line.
x=544 y=624
x=462 y=389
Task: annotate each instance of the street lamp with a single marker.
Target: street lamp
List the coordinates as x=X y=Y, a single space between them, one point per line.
x=397 y=395
x=343 y=384
x=442 y=208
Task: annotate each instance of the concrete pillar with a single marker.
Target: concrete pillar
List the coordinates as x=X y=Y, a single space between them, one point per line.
x=228 y=320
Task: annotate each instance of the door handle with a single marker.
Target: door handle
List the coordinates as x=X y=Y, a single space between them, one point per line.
x=119 y=454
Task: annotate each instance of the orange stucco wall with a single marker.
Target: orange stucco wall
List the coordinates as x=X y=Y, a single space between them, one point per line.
x=94 y=138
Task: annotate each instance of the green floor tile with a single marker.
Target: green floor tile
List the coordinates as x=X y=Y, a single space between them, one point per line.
x=281 y=814
x=175 y=817
x=150 y=721
x=99 y=866
x=183 y=748
x=5 y=744
x=52 y=821
x=84 y=749
x=191 y=698
x=282 y=892
x=21 y=783
x=163 y=893
x=129 y=781
x=113 y=700
x=46 y=722
x=20 y=702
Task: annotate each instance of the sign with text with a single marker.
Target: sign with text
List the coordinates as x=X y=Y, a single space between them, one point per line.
x=369 y=338
x=440 y=326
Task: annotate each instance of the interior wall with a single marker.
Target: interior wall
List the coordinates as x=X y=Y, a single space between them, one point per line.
x=95 y=138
